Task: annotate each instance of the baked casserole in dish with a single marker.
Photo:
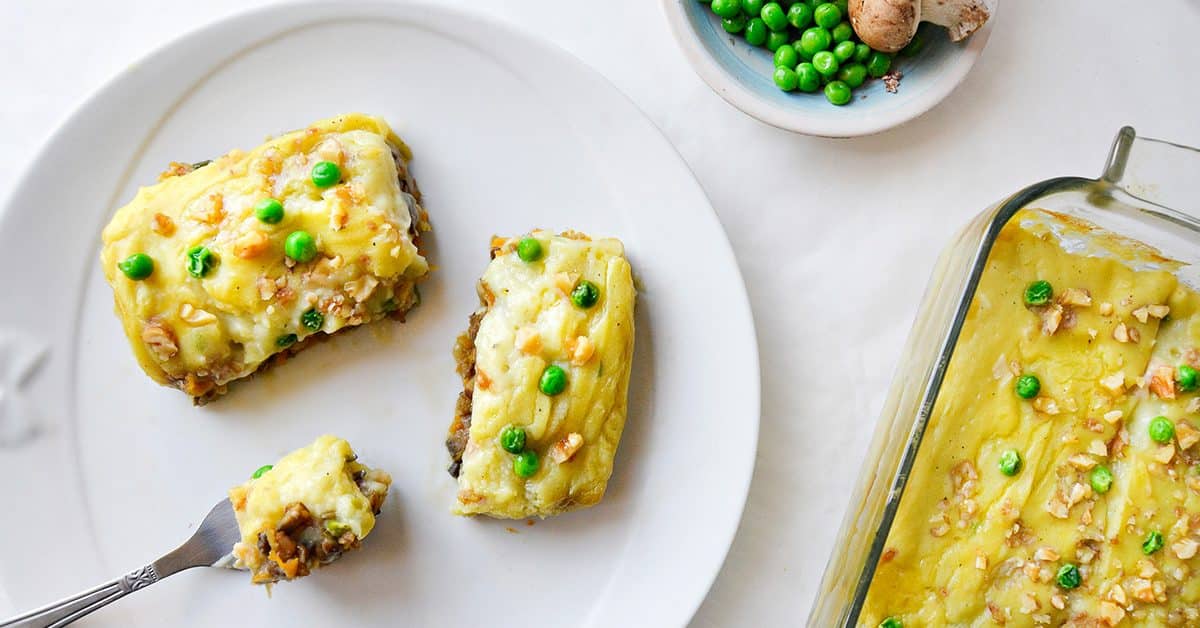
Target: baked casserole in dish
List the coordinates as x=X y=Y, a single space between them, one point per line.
x=1038 y=462
x=545 y=367
x=224 y=267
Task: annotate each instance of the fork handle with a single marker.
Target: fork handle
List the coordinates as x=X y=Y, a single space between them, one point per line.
x=70 y=609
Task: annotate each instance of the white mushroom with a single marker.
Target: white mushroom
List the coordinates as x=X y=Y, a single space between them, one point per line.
x=888 y=25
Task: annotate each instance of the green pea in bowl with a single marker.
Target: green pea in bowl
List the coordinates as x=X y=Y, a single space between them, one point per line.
x=748 y=77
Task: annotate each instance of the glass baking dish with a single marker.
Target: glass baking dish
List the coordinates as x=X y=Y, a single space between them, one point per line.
x=1147 y=192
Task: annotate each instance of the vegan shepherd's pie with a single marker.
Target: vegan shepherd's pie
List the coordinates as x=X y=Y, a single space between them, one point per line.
x=224 y=267
x=545 y=368
x=1058 y=482
x=306 y=510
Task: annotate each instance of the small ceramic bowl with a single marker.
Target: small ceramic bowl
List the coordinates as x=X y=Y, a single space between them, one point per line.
x=742 y=75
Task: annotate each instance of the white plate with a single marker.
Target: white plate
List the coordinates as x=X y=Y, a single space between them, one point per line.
x=509 y=133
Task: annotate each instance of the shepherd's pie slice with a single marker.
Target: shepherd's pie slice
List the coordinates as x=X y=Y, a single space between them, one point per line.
x=224 y=264
x=545 y=367
x=304 y=512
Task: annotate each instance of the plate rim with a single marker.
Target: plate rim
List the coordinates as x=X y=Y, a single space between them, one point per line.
x=368 y=8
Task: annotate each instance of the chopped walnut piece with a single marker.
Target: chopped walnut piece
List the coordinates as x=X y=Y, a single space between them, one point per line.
x=999 y=615
x=160 y=339
x=266 y=288
x=1106 y=308
x=940 y=529
x=1186 y=434
x=163 y=225
x=175 y=169
x=981 y=560
x=571 y=234
x=1029 y=603
x=1046 y=405
x=1058 y=601
x=1079 y=297
x=1141 y=589
x=1117 y=594
x=1142 y=314
x=1159 y=311
x=251 y=245
x=566 y=447
x=1162 y=382
x=1041 y=619
x=563 y=282
x=1057 y=507
x=194 y=316
x=1083 y=462
x=1111 y=614
x=361 y=288
x=1112 y=416
x=1078 y=493
x=1164 y=453
x=1114 y=383
x=1185 y=548
x=1048 y=554
x=1052 y=317
x=1124 y=333
x=581 y=349
x=529 y=341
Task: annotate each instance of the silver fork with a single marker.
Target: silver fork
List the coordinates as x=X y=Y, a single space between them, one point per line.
x=209 y=546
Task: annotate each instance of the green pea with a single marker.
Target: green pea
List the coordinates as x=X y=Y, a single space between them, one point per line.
x=269 y=211
x=756 y=31
x=1038 y=292
x=258 y=473
x=1101 y=479
x=785 y=78
x=837 y=92
x=336 y=528
x=814 y=3
x=808 y=78
x=814 y=40
x=1068 y=576
x=1010 y=462
x=526 y=463
x=842 y=32
x=301 y=246
x=585 y=294
x=891 y=622
x=529 y=250
x=512 y=439
x=753 y=7
x=774 y=16
x=1153 y=543
x=285 y=341
x=843 y=6
x=200 y=260
x=914 y=46
x=312 y=320
x=800 y=15
x=854 y=74
x=1028 y=386
x=844 y=51
x=325 y=174
x=786 y=57
x=827 y=15
x=137 y=266
x=735 y=24
x=1187 y=377
x=553 y=380
x=879 y=64
x=726 y=8
x=862 y=52
x=1162 y=430
x=825 y=63
x=777 y=39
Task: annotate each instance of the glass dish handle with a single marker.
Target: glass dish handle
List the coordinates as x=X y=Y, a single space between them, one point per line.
x=1156 y=171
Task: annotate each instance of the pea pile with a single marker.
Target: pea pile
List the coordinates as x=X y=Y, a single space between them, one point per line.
x=815 y=46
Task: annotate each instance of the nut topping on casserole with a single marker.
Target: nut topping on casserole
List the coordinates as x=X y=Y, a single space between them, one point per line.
x=1070 y=496
x=214 y=267
x=305 y=511
x=545 y=366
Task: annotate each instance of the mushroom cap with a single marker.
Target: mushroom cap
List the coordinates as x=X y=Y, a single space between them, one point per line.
x=885 y=25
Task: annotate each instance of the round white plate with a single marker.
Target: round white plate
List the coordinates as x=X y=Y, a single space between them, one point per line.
x=509 y=134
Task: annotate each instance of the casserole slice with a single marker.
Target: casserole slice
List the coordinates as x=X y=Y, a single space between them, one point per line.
x=312 y=506
x=545 y=367
x=222 y=266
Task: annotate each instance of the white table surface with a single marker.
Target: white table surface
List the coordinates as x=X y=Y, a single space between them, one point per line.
x=835 y=238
